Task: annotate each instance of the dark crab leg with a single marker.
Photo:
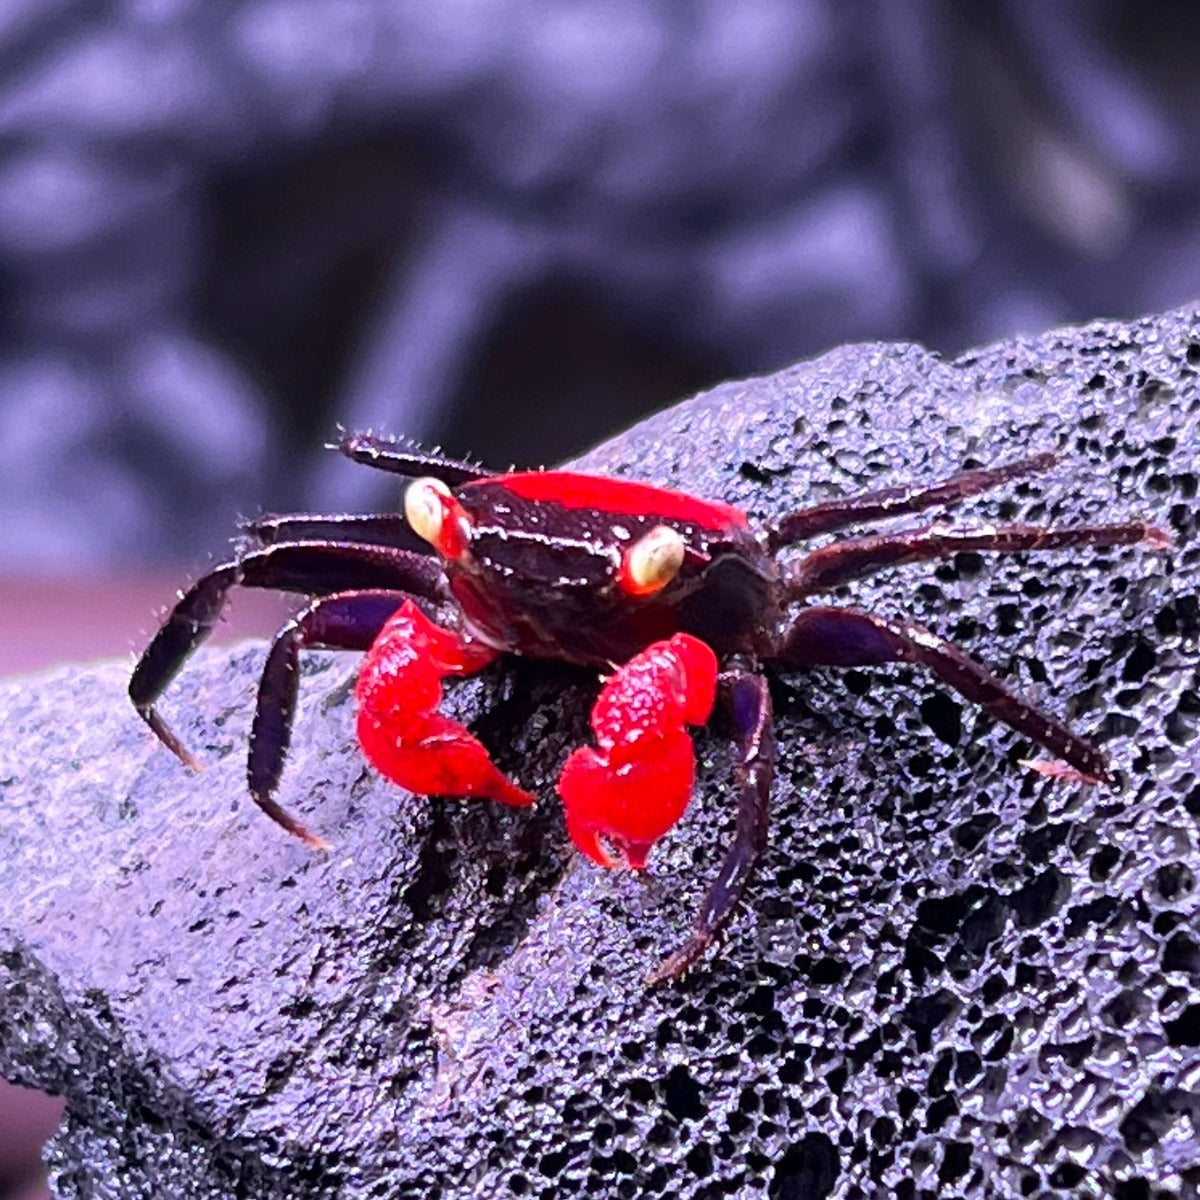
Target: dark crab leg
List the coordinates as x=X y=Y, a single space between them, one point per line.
x=311 y=568
x=851 y=559
x=345 y=621
x=749 y=703
x=898 y=501
x=401 y=458
x=849 y=637
x=369 y=529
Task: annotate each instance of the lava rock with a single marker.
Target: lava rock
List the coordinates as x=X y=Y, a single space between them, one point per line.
x=956 y=976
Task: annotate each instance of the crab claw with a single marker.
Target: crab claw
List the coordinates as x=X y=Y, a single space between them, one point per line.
x=622 y=795
x=399 y=728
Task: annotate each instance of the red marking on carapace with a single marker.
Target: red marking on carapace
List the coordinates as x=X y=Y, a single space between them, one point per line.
x=618 y=496
x=455 y=533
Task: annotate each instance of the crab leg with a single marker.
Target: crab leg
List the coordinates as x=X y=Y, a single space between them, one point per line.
x=849 y=637
x=346 y=621
x=312 y=568
x=622 y=795
x=399 y=728
x=370 y=529
x=851 y=559
x=899 y=501
x=749 y=702
x=400 y=458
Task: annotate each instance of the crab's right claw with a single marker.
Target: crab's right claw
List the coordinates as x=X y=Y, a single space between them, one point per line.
x=399 y=728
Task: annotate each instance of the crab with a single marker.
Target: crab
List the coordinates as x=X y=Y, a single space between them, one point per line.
x=675 y=599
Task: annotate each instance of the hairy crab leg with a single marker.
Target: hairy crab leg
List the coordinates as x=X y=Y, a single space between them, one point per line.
x=311 y=568
x=399 y=728
x=369 y=529
x=621 y=795
x=401 y=458
x=899 y=501
x=853 y=558
x=749 y=702
x=849 y=637
x=345 y=621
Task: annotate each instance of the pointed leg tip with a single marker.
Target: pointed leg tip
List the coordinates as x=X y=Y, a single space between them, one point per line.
x=168 y=737
x=1056 y=769
x=1157 y=538
x=680 y=961
x=189 y=760
x=662 y=973
x=283 y=818
x=666 y=972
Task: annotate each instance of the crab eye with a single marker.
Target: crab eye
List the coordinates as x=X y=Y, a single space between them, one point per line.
x=436 y=517
x=652 y=561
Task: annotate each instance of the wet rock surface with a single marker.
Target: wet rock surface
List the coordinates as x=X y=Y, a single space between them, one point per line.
x=956 y=978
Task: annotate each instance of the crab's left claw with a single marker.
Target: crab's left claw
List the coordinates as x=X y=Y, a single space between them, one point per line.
x=622 y=795
x=618 y=803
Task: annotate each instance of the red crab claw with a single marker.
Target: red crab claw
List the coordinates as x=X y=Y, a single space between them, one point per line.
x=399 y=728
x=635 y=784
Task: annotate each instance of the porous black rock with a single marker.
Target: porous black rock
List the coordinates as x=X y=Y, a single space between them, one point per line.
x=957 y=977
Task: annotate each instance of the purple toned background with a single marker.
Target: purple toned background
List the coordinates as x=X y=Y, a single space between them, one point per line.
x=227 y=226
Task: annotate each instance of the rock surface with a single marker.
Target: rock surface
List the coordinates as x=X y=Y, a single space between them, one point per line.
x=956 y=978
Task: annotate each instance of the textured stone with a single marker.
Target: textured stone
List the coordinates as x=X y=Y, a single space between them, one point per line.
x=956 y=977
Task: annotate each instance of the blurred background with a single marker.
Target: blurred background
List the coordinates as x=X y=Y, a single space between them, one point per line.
x=511 y=227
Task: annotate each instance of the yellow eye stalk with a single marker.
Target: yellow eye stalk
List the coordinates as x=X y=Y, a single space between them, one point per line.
x=436 y=517
x=652 y=561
